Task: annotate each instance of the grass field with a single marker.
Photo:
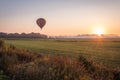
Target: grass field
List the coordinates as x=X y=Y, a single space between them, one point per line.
x=106 y=51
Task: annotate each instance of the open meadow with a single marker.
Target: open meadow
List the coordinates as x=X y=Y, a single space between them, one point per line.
x=100 y=50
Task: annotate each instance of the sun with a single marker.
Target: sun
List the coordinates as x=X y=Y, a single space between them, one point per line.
x=99 y=30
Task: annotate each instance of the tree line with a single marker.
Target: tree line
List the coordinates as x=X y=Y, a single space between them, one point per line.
x=22 y=35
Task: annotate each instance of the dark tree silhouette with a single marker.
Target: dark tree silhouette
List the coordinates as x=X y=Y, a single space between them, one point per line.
x=31 y=35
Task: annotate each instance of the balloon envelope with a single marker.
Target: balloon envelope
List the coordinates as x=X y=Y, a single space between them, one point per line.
x=41 y=22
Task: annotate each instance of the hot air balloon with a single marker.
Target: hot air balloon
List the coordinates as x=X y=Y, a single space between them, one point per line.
x=41 y=22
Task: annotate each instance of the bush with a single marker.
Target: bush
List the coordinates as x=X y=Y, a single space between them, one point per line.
x=87 y=64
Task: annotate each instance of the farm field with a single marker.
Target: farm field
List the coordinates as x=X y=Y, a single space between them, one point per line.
x=105 y=51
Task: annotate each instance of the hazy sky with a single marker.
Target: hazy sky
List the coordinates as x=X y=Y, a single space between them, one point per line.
x=64 y=17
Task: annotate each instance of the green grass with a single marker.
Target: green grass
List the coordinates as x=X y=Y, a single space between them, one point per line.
x=105 y=51
x=22 y=64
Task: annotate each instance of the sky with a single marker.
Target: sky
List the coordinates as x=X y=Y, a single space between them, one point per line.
x=63 y=17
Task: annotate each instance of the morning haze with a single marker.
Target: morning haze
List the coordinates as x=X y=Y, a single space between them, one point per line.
x=73 y=16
